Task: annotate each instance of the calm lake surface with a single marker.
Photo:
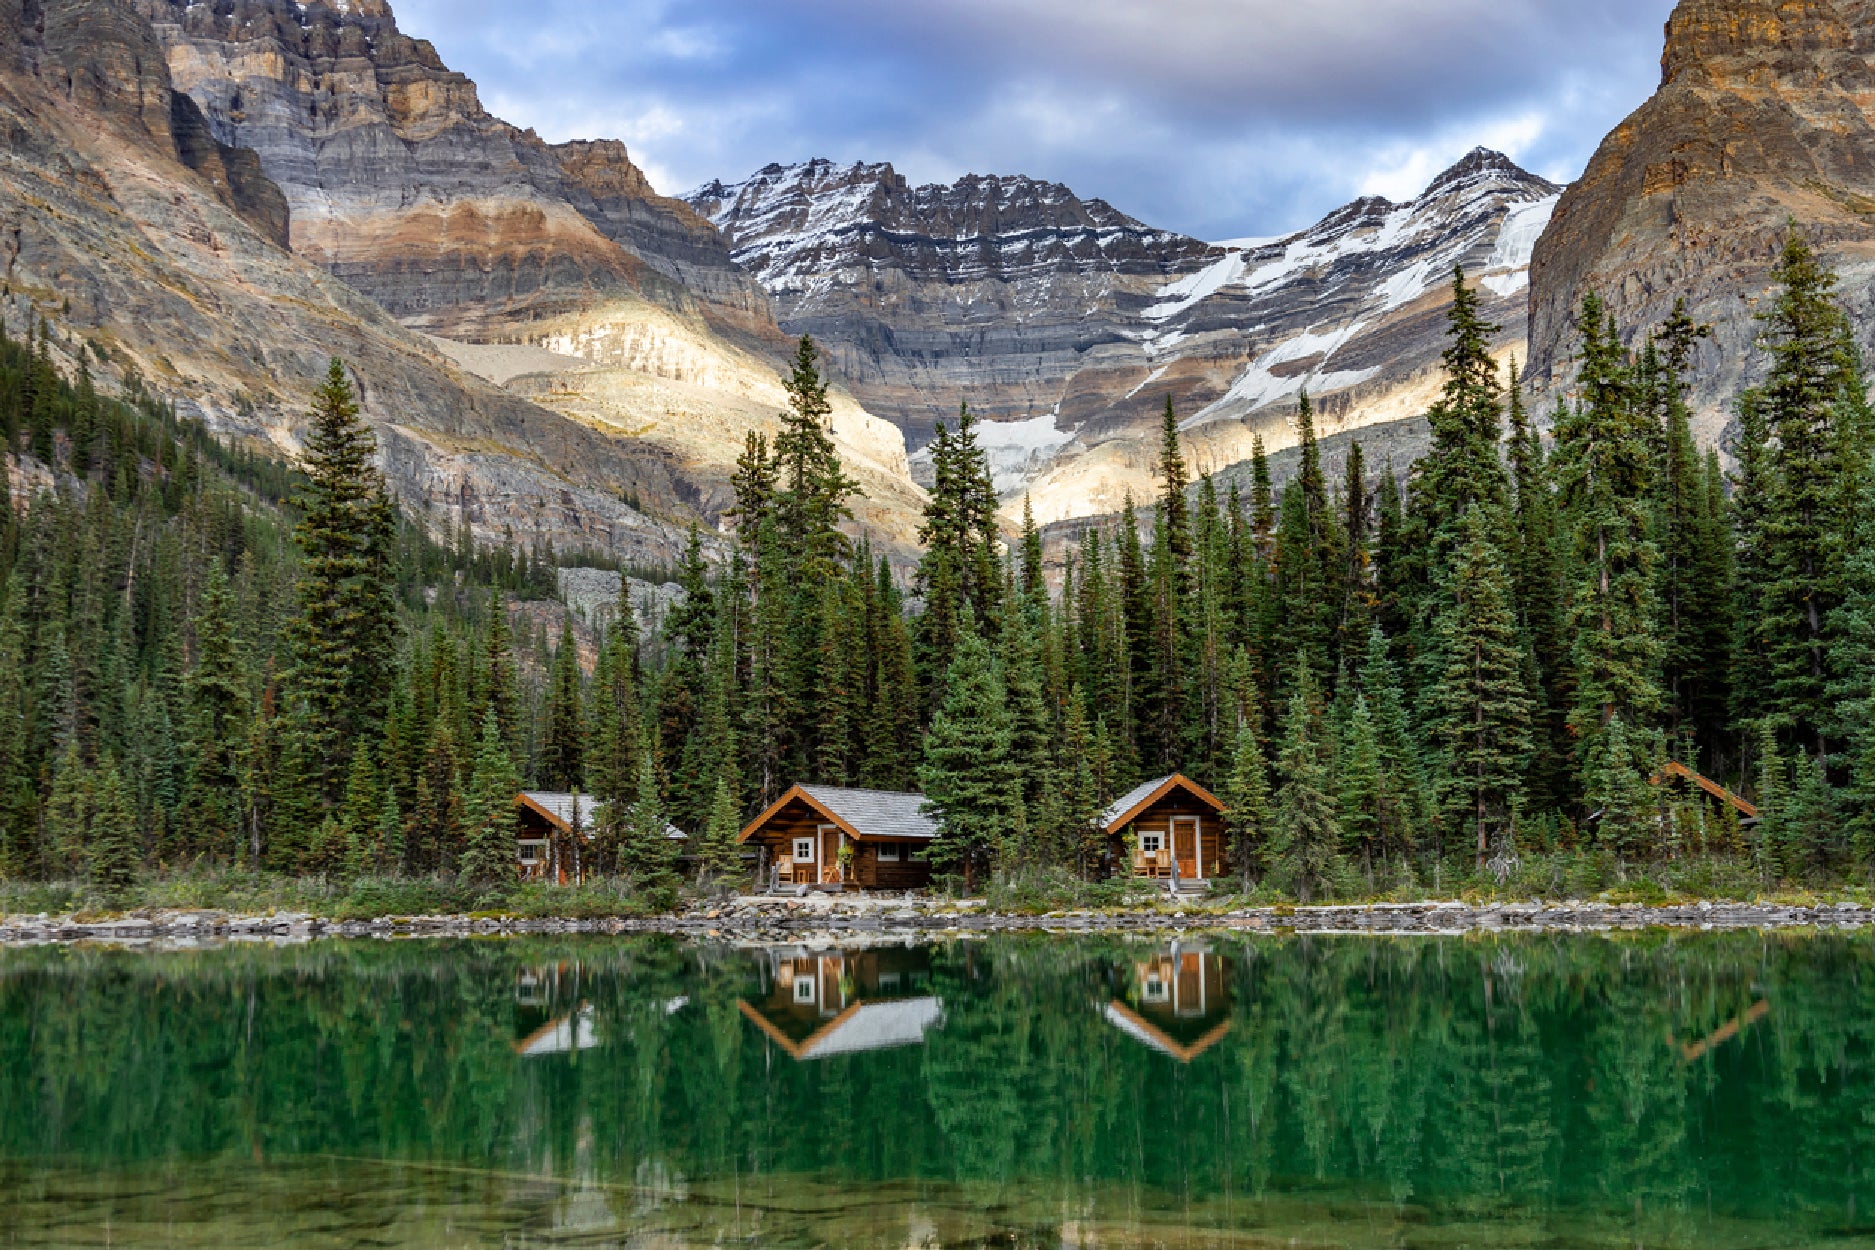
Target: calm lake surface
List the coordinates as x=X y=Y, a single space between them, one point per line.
x=1700 y=1089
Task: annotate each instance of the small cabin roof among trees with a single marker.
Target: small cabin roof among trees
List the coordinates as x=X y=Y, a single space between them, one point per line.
x=558 y=808
x=1145 y=795
x=862 y=814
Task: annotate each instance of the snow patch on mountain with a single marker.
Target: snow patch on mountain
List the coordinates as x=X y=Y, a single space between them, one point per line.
x=1015 y=451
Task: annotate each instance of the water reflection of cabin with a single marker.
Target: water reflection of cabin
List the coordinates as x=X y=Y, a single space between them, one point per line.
x=1176 y=1000
x=545 y=822
x=1175 y=822
x=802 y=833
x=551 y=1016
x=814 y=1004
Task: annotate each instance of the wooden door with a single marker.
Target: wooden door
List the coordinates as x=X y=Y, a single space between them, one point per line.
x=830 y=853
x=1185 y=839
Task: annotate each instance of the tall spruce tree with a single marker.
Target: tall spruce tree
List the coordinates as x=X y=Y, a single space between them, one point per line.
x=344 y=637
x=1814 y=405
x=1306 y=838
x=970 y=782
x=1478 y=712
x=1602 y=466
x=489 y=851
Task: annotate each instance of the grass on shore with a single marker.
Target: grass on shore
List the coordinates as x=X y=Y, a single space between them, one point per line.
x=1592 y=876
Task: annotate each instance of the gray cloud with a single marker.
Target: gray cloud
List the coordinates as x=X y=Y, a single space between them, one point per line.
x=1216 y=117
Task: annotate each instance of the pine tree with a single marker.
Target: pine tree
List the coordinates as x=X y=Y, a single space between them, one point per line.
x=563 y=748
x=361 y=813
x=720 y=854
x=1365 y=805
x=113 y=851
x=1308 y=556
x=646 y=853
x=344 y=635
x=1537 y=594
x=969 y=780
x=1305 y=845
x=1602 y=463
x=1248 y=822
x=1615 y=770
x=489 y=854
x=1404 y=771
x=1034 y=589
x=17 y=798
x=1478 y=712
x=1815 y=409
x=812 y=487
x=218 y=698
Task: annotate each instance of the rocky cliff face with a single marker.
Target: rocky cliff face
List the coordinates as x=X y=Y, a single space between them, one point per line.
x=991 y=289
x=113 y=224
x=467 y=228
x=1764 y=114
x=1068 y=323
x=402 y=184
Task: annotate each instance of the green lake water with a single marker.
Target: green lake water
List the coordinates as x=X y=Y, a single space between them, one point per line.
x=1697 y=1089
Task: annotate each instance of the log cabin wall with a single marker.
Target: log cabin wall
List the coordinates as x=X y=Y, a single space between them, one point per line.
x=868 y=871
x=1158 y=818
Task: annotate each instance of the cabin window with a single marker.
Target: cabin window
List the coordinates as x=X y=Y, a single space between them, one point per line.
x=1151 y=842
x=804 y=849
x=804 y=989
x=533 y=850
x=1155 y=990
x=889 y=851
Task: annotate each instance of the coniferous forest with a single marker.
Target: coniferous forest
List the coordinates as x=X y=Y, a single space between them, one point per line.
x=1468 y=673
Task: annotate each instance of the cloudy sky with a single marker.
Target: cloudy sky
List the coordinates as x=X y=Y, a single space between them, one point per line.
x=1221 y=118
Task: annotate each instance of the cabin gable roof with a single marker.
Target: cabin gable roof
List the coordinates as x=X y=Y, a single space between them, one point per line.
x=557 y=808
x=862 y=814
x=1145 y=795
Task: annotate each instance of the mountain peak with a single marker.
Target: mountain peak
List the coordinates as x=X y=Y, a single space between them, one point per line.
x=1483 y=165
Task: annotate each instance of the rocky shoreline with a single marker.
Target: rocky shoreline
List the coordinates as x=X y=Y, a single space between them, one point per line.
x=852 y=920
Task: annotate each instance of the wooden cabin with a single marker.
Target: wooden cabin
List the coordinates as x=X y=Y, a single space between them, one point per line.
x=1176 y=823
x=814 y=1004
x=545 y=849
x=801 y=835
x=1177 y=1000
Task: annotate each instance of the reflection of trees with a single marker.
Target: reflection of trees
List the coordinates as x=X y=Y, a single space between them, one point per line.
x=1514 y=1077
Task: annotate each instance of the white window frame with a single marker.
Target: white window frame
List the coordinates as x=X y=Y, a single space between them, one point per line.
x=807 y=990
x=809 y=841
x=524 y=846
x=1151 y=842
x=889 y=853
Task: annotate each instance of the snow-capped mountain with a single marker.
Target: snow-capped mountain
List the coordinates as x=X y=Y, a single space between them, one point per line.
x=1067 y=323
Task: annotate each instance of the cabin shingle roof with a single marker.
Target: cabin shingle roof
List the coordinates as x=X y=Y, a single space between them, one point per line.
x=876 y=814
x=561 y=805
x=1120 y=807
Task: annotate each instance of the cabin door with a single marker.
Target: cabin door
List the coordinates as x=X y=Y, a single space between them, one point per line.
x=1185 y=841
x=830 y=853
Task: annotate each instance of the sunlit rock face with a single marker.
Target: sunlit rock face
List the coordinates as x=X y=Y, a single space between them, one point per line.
x=642 y=328
x=1763 y=116
x=1067 y=324
x=138 y=232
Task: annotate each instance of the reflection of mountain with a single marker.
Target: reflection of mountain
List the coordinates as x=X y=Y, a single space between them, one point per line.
x=1176 y=1001
x=823 y=1003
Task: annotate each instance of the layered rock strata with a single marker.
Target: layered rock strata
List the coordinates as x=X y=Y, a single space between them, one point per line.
x=1763 y=117
x=477 y=232
x=105 y=230
x=1068 y=324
